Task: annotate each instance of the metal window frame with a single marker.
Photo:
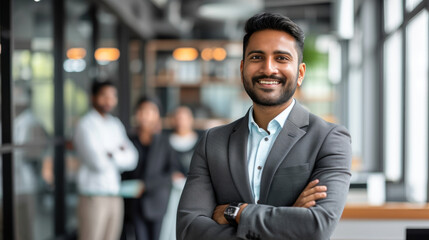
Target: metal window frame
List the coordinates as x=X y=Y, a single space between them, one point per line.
x=6 y=117
x=58 y=8
x=407 y=16
x=7 y=147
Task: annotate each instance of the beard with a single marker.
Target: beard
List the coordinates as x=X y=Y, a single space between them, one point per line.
x=286 y=93
x=103 y=109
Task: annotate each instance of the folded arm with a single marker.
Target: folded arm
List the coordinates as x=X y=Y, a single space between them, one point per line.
x=125 y=156
x=317 y=222
x=91 y=152
x=194 y=217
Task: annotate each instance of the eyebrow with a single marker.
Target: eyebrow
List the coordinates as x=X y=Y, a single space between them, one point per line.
x=283 y=52
x=255 y=51
x=275 y=52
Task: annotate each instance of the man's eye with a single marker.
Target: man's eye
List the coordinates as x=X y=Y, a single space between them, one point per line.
x=255 y=57
x=282 y=58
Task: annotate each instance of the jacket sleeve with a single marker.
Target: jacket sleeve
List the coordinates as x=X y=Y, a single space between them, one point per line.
x=194 y=217
x=332 y=168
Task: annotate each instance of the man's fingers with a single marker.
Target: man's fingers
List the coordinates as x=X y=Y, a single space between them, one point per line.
x=314 y=197
x=309 y=204
x=311 y=194
x=313 y=190
x=311 y=184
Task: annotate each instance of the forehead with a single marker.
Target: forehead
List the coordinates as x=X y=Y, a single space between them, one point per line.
x=270 y=41
x=148 y=106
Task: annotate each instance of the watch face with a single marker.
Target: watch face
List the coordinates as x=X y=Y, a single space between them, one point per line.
x=231 y=211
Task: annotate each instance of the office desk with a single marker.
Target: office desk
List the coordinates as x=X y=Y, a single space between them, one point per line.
x=385 y=222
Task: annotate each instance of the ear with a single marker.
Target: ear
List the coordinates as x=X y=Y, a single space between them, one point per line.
x=241 y=69
x=301 y=73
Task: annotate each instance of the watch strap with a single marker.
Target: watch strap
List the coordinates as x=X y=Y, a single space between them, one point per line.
x=231 y=217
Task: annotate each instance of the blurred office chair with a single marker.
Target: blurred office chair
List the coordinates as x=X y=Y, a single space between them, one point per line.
x=417 y=234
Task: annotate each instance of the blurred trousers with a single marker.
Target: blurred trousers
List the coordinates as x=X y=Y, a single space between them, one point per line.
x=100 y=217
x=136 y=226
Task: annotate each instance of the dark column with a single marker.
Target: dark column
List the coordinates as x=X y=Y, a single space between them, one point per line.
x=94 y=39
x=123 y=83
x=427 y=198
x=59 y=169
x=6 y=116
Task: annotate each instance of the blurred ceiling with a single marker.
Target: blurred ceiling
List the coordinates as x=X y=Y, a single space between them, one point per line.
x=175 y=19
x=215 y=19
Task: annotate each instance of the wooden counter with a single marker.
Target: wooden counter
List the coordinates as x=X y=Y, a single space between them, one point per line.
x=389 y=211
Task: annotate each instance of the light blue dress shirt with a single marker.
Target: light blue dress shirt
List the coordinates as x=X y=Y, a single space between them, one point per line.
x=259 y=145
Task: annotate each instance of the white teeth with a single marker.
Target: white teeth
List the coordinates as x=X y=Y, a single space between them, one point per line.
x=268 y=82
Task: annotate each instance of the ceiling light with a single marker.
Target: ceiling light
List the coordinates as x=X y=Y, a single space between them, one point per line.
x=106 y=54
x=185 y=54
x=219 y=54
x=207 y=54
x=76 y=53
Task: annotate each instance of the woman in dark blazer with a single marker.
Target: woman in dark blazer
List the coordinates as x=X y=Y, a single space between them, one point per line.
x=157 y=161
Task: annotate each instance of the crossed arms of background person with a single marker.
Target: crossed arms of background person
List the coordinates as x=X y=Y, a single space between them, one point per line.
x=313 y=216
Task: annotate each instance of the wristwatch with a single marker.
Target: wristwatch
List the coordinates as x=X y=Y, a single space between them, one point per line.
x=231 y=213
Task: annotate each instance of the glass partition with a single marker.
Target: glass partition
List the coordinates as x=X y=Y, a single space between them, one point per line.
x=417 y=108
x=392 y=14
x=411 y=4
x=393 y=99
x=33 y=198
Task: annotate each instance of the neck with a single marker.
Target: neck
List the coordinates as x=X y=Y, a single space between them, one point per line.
x=184 y=132
x=264 y=114
x=103 y=114
x=145 y=136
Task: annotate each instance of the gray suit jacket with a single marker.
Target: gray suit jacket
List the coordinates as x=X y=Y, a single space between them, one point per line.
x=307 y=148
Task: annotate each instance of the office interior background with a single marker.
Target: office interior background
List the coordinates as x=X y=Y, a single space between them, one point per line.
x=367 y=69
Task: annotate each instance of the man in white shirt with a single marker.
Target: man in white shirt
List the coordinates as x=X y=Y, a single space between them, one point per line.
x=105 y=151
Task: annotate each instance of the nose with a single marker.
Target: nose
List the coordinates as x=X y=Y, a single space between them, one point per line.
x=269 y=67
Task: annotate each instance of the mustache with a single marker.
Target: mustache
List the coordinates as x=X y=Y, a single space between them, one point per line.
x=280 y=79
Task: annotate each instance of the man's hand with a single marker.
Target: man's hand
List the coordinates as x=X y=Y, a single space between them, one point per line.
x=219 y=217
x=311 y=194
x=142 y=189
x=218 y=214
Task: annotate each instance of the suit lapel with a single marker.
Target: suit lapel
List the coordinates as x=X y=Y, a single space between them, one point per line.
x=288 y=137
x=237 y=155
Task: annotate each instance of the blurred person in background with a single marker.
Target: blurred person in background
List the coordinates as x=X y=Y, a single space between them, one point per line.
x=28 y=188
x=183 y=140
x=157 y=161
x=105 y=151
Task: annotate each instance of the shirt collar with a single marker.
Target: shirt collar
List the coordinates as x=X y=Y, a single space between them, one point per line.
x=98 y=116
x=280 y=119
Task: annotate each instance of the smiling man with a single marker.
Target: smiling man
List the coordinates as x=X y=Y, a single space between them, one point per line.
x=279 y=172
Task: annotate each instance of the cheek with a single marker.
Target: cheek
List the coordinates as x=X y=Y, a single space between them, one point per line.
x=112 y=100
x=250 y=69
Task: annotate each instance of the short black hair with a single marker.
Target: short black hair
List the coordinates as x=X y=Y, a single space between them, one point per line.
x=274 y=21
x=98 y=85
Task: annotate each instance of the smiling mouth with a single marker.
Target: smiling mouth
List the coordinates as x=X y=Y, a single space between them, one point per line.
x=269 y=82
